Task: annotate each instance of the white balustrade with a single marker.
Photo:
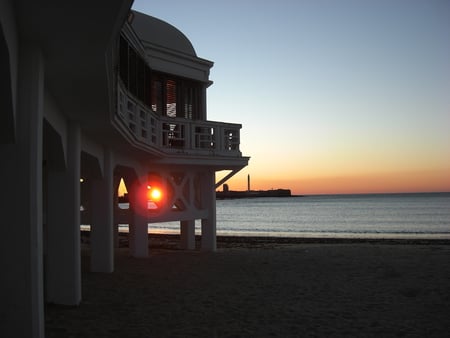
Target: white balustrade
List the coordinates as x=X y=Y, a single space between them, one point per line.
x=175 y=135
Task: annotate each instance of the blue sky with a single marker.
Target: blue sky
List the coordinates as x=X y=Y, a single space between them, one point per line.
x=356 y=91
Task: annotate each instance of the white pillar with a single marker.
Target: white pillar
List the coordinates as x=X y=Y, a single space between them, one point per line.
x=209 y=202
x=138 y=237
x=63 y=269
x=102 y=216
x=187 y=234
x=21 y=251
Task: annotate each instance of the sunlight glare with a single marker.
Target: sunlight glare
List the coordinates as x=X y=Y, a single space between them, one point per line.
x=154 y=194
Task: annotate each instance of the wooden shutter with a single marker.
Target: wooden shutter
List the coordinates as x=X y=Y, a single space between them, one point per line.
x=171 y=98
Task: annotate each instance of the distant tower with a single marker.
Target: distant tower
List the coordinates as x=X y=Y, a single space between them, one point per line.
x=248 y=182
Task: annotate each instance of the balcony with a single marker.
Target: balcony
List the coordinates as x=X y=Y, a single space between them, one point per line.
x=176 y=135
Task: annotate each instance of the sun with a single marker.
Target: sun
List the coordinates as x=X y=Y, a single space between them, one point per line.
x=154 y=194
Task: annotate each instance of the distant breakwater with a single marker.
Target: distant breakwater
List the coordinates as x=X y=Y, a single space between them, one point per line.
x=229 y=194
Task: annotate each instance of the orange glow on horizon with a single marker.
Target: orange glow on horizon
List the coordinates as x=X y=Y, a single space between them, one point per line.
x=387 y=182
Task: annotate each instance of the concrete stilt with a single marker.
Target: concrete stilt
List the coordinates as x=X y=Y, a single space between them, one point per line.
x=209 y=202
x=187 y=234
x=102 y=225
x=21 y=254
x=63 y=268
x=138 y=237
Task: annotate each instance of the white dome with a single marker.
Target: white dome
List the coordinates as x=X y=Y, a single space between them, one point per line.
x=161 y=33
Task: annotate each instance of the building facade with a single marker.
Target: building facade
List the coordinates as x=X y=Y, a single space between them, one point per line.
x=95 y=92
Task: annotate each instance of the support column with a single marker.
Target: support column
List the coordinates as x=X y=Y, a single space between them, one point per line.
x=138 y=237
x=21 y=253
x=102 y=216
x=209 y=202
x=63 y=270
x=187 y=234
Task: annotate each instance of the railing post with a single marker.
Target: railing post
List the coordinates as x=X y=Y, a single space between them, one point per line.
x=159 y=133
x=187 y=135
x=193 y=136
x=220 y=136
x=238 y=136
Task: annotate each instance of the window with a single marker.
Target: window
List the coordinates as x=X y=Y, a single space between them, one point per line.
x=191 y=100
x=140 y=79
x=123 y=62
x=134 y=72
x=157 y=95
x=171 y=98
x=164 y=94
x=188 y=102
x=175 y=97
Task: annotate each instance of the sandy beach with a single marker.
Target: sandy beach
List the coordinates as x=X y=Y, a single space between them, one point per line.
x=265 y=288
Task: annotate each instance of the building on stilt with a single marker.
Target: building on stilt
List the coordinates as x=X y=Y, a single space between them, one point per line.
x=96 y=91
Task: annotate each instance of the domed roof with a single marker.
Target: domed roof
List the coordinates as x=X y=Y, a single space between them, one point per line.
x=161 y=33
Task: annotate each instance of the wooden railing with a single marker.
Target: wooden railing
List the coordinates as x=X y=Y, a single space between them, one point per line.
x=175 y=135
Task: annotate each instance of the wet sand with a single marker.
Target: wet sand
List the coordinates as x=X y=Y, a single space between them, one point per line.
x=266 y=288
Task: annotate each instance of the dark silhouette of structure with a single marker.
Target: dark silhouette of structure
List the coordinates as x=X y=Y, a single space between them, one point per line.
x=94 y=91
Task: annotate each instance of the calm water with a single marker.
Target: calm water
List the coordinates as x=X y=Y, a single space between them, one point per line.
x=381 y=215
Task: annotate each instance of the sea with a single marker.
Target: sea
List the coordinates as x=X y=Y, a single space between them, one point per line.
x=418 y=215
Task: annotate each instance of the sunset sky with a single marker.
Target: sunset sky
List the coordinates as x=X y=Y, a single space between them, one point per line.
x=335 y=96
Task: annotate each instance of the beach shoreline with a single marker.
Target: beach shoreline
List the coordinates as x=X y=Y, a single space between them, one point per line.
x=264 y=288
x=172 y=241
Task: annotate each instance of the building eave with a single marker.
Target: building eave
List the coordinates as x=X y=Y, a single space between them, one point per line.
x=76 y=51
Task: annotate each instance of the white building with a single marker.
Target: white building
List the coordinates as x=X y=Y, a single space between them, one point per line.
x=91 y=90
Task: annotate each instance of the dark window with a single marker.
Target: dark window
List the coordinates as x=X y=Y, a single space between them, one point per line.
x=148 y=87
x=171 y=98
x=140 y=76
x=123 y=62
x=188 y=101
x=175 y=97
x=157 y=95
x=191 y=100
x=132 y=72
x=164 y=94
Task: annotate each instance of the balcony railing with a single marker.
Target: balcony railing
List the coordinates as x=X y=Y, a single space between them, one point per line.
x=177 y=135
